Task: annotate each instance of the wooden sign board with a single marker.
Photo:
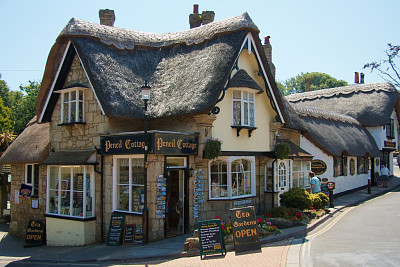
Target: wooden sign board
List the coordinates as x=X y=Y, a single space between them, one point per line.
x=129 y=233
x=211 y=240
x=244 y=226
x=115 y=229
x=35 y=233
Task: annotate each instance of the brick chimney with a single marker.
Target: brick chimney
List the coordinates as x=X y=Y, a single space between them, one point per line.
x=361 y=77
x=307 y=82
x=356 y=78
x=207 y=17
x=268 y=52
x=196 y=20
x=107 y=17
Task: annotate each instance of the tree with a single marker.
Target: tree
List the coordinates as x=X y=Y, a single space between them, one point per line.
x=388 y=68
x=23 y=105
x=315 y=80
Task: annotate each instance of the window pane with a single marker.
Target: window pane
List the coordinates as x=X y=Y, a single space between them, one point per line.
x=73 y=96
x=29 y=174
x=219 y=179
x=66 y=97
x=251 y=114
x=53 y=179
x=241 y=177
x=245 y=96
x=251 y=96
x=65 y=203
x=137 y=197
x=80 y=95
x=73 y=111
x=237 y=94
x=123 y=193
x=246 y=113
x=89 y=197
x=80 y=115
x=65 y=113
x=237 y=113
x=138 y=175
x=77 y=204
x=78 y=178
x=53 y=203
x=123 y=171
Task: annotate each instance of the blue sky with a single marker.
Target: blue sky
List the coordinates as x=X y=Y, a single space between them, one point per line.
x=336 y=37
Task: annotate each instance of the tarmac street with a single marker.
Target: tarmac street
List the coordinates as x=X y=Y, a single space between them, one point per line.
x=278 y=250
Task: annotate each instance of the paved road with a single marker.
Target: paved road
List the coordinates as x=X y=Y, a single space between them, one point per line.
x=365 y=235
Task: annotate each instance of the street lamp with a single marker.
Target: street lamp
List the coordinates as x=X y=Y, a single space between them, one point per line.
x=145 y=91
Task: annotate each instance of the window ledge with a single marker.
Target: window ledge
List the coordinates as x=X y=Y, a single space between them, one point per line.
x=72 y=218
x=127 y=212
x=240 y=127
x=72 y=123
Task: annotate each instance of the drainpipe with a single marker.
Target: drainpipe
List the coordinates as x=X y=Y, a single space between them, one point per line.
x=273 y=183
x=102 y=197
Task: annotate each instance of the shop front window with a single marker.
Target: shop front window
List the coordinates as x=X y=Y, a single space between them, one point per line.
x=241 y=178
x=128 y=184
x=70 y=191
x=300 y=172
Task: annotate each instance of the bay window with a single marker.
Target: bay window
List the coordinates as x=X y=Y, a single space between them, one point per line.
x=128 y=183
x=243 y=108
x=232 y=177
x=70 y=191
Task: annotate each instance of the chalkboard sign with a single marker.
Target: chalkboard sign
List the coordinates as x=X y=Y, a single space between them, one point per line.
x=35 y=234
x=129 y=231
x=210 y=238
x=244 y=226
x=115 y=230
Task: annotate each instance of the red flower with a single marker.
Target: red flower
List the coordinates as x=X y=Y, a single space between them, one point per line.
x=270 y=215
x=293 y=218
x=223 y=227
x=259 y=220
x=298 y=214
x=274 y=226
x=265 y=214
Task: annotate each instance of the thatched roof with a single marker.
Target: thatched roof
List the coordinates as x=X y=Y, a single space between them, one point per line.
x=187 y=70
x=370 y=104
x=336 y=133
x=31 y=146
x=243 y=79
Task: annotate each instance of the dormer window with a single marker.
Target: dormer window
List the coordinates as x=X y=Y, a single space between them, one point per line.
x=72 y=106
x=243 y=108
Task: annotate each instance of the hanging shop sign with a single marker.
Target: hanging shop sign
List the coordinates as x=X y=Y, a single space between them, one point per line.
x=25 y=191
x=244 y=226
x=390 y=144
x=318 y=166
x=158 y=143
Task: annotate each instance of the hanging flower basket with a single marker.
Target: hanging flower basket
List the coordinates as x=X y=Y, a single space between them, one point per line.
x=282 y=150
x=212 y=149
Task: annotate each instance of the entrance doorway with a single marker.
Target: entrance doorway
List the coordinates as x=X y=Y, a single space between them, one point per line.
x=177 y=205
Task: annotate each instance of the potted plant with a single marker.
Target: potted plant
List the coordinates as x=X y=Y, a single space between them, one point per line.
x=282 y=150
x=212 y=148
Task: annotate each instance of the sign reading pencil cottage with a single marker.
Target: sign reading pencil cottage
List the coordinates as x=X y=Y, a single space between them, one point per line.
x=159 y=143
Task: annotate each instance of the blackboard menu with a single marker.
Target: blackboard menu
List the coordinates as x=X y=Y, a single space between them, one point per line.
x=244 y=226
x=210 y=237
x=115 y=229
x=129 y=231
x=35 y=234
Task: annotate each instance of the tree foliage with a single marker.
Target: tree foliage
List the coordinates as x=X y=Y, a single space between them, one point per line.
x=316 y=80
x=387 y=67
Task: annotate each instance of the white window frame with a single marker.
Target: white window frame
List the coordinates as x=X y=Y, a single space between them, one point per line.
x=305 y=168
x=71 y=91
x=33 y=178
x=87 y=169
x=115 y=180
x=242 y=104
x=229 y=161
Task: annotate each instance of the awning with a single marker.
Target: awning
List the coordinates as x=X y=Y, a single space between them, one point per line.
x=71 y=157
x=296 y=151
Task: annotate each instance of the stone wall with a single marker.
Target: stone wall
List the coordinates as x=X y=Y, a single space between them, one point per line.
x=22 y=212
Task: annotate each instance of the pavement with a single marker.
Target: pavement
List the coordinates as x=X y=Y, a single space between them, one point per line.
x=278 y=246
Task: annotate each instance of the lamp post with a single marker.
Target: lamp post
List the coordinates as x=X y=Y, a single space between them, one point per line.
x=145 y=90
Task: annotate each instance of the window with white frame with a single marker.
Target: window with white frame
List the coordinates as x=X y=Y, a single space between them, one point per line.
x=72 y=107
x=232 y=178
x=70 y=191
x=243 y=108
x=128 y=183
x=32 y=178
x=300 y=172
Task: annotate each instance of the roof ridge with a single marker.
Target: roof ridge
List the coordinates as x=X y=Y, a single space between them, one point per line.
x=126 y=39
x=306 y=111
x=343 y=90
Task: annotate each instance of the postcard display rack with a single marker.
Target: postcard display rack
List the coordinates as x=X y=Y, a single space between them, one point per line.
x=161 y=197
x=199 y=188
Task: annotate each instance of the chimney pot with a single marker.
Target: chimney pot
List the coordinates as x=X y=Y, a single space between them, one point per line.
x=361 y=77
x=356 y=78
x=107 y=17
x=266 y=39
x=196 y=9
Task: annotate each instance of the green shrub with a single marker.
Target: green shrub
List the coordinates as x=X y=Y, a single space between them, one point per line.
x=296 y=198
x=319 y=200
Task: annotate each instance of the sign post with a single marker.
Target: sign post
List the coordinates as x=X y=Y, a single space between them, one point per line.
x=244 y=227
x=210 y=238
x=331 y=186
